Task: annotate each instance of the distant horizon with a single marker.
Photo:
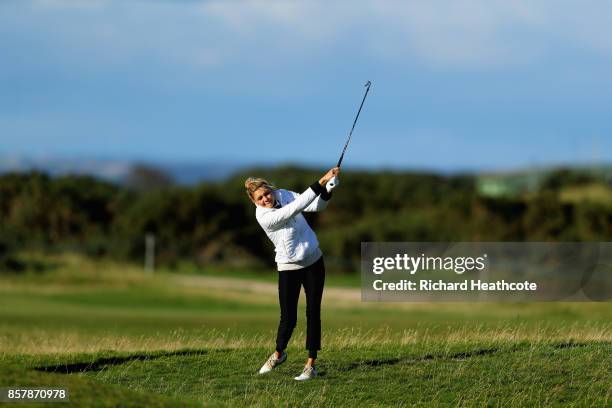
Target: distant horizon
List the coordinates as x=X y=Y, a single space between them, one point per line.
x=235 y=164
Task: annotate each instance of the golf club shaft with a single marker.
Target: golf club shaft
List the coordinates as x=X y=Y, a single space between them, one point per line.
x=367 y=86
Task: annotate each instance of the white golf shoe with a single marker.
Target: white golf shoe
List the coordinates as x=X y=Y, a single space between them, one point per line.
x=272 y=362
x=308 y=374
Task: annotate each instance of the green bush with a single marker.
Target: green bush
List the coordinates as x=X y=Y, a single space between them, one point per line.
x=214 y=223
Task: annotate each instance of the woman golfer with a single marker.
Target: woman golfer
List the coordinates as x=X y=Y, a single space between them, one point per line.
x=299 y=260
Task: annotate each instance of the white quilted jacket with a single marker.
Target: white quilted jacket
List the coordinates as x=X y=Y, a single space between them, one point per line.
x=287 y=228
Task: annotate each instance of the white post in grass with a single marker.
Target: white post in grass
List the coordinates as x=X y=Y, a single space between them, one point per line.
x=149 y=253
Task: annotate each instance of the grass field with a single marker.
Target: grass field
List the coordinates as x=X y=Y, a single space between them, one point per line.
x=114 y=336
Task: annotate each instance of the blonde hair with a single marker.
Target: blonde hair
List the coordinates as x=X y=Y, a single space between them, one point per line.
x=252 y=184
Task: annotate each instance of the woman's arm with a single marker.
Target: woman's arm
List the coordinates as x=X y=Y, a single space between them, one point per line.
x=319 y=203
x=271 y=218
x=274 y=218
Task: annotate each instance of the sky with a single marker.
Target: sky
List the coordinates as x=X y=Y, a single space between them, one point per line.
x=456 y=85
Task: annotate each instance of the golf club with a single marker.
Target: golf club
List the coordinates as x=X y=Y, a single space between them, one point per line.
x=335 y=181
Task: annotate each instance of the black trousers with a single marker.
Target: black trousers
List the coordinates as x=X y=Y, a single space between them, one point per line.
x=289 y=285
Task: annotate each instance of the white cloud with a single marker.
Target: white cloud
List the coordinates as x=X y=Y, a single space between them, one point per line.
x=439 y=33
x=443 y=33
x=70 y=4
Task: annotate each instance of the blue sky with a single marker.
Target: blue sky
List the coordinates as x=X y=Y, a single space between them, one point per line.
x=456 y=84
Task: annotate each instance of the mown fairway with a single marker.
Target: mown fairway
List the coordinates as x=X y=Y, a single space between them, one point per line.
x=115 y=337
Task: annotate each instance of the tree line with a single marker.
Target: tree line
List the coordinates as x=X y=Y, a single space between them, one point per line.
x=214 y=223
